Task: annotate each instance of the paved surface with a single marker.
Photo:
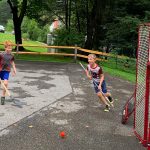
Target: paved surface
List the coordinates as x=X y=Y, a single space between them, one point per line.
x=53 y=97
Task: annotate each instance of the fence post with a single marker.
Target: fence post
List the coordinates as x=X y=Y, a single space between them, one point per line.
x=75 y=53
x=49 y=41
x=17 y=50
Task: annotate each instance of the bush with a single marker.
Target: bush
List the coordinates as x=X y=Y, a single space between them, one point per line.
x=10 y=25
x=42 y=37
x=31 y=29
x=25 y=36
x=64 y=37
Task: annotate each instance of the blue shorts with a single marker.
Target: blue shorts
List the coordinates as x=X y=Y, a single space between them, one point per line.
x=103 y=86
x=4 y=75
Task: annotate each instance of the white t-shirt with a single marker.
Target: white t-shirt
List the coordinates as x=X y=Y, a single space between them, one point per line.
x=95 y=72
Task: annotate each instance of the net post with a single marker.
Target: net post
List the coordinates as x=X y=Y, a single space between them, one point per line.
x=146 y=119
x=147 y=97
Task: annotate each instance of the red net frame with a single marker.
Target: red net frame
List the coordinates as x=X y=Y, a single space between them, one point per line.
x=141 y=109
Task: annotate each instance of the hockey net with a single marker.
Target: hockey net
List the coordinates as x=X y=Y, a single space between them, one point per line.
x=141 y=113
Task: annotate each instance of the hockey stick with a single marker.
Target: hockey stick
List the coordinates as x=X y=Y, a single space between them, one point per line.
x=106 y=98
x=16 y=102
x=94 y=81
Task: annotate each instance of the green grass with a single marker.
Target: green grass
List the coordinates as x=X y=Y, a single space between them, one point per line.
x=121 y=74
x=122 y=64
x=44 y=58
x=6 y=36
x=109 y=66
x=11 y=37
x=35 y=49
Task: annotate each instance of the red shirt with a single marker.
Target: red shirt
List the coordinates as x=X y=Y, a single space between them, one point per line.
x=6 y=61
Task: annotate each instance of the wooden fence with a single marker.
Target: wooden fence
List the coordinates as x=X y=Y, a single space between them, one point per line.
x=77 y=51
x=113 y=61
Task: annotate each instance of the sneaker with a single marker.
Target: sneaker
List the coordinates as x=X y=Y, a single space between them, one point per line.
x=107 y=108
x=2 y=100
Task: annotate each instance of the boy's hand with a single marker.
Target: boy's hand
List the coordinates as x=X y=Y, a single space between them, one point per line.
x=90 y=77
x=100 y=88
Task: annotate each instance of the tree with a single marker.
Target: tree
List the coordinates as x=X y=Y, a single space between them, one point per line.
x=104 y=23
x=18 y=9
x=5 y=12
x=121 y=31
x=95 y=19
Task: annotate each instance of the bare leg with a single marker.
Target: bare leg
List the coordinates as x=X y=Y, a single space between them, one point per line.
x=102 y=98
x=109 y=97
x=108 y=94
x=5 y=82
x=6 y=85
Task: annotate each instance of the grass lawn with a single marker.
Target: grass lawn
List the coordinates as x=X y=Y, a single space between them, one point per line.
x=45 y=58
x=4 y=37
x=11 y=37
x=121 y=74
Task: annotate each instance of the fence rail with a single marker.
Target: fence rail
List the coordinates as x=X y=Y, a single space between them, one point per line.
x=110 y=60
x=75 y=54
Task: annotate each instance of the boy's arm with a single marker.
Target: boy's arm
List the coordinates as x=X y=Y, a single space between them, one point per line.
x=101 y=80
x=14 y=68
x=87 y=74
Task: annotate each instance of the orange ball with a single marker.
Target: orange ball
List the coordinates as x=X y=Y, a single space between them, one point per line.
x=62 y=134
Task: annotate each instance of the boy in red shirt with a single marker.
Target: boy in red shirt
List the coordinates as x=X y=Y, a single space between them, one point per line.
x=6 y=62
x=95 y=73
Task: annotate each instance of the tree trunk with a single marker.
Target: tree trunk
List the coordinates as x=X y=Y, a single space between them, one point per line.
x=91 y=23
x=69 y=15
x=17 y=28
x=17 y=19
x=66 y=14
x=18 y=36
x=78 y=19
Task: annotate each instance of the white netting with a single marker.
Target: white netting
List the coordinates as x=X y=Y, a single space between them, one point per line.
x=142 y=59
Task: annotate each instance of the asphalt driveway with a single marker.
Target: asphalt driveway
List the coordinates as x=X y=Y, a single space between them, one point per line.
x=54 y=97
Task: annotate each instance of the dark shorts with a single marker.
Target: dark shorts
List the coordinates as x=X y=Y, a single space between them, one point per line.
x=4 y=75
x=96 y=84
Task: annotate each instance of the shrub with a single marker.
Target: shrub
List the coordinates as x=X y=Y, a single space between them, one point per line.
x=31 y=29
x=64 y=37
x=9 y=25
